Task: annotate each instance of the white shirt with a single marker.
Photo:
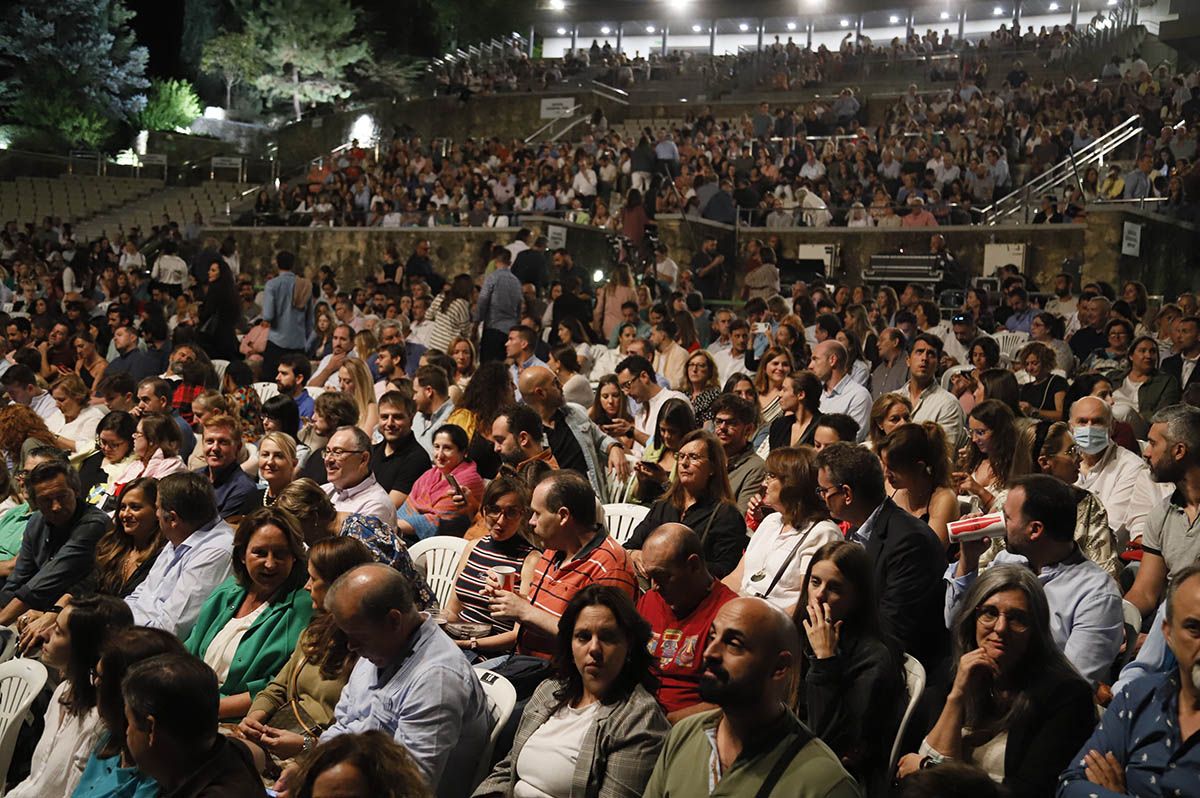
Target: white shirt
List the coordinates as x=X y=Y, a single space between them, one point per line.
x=769 y=548
x=170 y=270
x=940 y=406
x=62 y=752
x=727 y=363
x=45 y=406
x=851 y=399
x=83 y=429
x=547 y=761
x=222 y=648
x=667 y=271
x=366 y=498
x=1121 y=481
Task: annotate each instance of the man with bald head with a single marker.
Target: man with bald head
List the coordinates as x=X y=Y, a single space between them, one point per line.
x=1119 y=478
x=748 y=668
x=841 y=394
x=680 y=606
x=576 y=442
x=410 y=681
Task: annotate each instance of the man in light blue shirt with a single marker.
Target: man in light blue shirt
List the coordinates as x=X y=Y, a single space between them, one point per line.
x=1086 y=619
x=431 y=393
x=196 y=558
x=411 y=681
x=499 y=307
x=290 y=325
x=841 y=394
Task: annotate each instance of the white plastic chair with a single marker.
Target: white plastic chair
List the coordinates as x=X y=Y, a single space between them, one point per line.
x=438 y=556
x=1011 y=342
x=501 y=700
x=20 y=682
x=622 y=519
x=914 y=681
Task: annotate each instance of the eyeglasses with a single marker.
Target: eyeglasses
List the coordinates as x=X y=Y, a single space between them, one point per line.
x=687 y=457
x=624 y=386
x=338 y=454
x=103 y=444
x=725 y=422
x=823 y=493
x=987 y=616
x=492 y=512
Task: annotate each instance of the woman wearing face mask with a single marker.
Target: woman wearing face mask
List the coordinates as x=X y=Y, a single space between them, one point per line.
x=1058 y=455
x=601 y=700
x=996 y=454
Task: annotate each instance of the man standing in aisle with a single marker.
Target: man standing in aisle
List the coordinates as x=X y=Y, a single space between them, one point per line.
x=287 y=308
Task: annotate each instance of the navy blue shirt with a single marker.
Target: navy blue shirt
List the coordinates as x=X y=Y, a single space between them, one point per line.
x=1141 y=729
x=231 y=485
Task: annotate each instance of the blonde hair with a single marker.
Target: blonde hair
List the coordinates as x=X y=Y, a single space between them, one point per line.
x=285 y=442
x=73 y=385
x=362 y=392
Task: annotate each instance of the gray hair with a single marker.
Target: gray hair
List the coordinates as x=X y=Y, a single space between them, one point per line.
x=1176 y=583
x=378 y=589
x=1182 y=426
x=361 y=439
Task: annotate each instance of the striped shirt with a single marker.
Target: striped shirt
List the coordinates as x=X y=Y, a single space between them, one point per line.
x=486 y=555
x=449 y=324
x=555 y=582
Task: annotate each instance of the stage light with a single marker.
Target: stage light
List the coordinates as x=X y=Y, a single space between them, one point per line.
x=562 y=31
x=845 y=23
x=557 y=5
x=791 y=26
x=1053 y=6
x=605 y=30
x=944 y=15
x=649 y=29
x=743 y=27
x=893 y=19
x=696 y=29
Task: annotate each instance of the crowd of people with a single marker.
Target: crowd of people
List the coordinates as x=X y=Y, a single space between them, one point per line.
x=939 y=158
x=207 y=520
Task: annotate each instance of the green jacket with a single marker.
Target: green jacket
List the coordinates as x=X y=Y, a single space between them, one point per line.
x=12 y=529
x=266 y=646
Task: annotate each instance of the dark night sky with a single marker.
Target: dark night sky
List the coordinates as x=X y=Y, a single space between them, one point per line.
x=159 y=26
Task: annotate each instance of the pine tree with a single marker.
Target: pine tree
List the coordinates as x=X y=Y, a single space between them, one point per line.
x=308 y=46
x=78 y=58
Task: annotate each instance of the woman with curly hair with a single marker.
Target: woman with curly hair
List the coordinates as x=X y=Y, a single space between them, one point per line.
x=21 y=431
x=489 y=390
x=700 y=383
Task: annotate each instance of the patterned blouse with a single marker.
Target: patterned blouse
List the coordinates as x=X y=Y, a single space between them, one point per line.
x=389 y=549
x=486 y=555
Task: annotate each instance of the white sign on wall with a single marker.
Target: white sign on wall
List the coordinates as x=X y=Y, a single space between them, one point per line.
x=153 y=159
x=556 y=236
x=224 y=162
x=1131 y=239
x=557 y=107
x=997 y=255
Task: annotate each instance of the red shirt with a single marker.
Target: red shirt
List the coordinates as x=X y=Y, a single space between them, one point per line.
x=555 y=583
x=678 y=644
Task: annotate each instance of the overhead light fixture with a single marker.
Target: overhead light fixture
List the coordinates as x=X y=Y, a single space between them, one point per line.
x=791 y=26
x=557 y=5
x=1053 y=6
x=1112 y=2
x=562 y=31
x=649 y=29
x=944 y=15
x=696 y=29
x=845 y=23
x=997 y=11
x=605 y=30
x=893 y=19
x=743 y=27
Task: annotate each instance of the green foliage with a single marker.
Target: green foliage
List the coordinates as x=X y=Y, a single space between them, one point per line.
x=308 y=48
x=397 y=76
x=70 y=67
x=235 y=58
x=172 y=104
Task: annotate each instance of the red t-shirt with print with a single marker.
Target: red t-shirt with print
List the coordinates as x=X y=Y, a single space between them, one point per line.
x=677 y=644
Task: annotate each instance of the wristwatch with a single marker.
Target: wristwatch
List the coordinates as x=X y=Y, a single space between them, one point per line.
x=310 y=742
x=474 y=643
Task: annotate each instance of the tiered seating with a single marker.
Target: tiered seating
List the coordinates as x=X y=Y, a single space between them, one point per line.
x=72 y=198
x=180 y=203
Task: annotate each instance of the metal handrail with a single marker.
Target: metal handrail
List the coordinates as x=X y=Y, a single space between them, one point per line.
x=570 y=113
x=1019 y=198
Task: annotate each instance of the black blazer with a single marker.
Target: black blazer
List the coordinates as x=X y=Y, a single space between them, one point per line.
x=909 y=563
x=1173 y=365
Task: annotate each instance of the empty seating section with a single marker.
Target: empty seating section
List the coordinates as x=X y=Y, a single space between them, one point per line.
x=97 y=206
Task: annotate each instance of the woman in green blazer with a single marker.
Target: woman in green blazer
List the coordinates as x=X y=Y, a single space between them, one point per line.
x=249 y=626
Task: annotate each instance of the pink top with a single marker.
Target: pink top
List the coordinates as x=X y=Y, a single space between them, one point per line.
x=432 y=496
x=158 y=467
x=608 y=307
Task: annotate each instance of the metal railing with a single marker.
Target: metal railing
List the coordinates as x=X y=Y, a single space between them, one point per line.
x=1017 y=205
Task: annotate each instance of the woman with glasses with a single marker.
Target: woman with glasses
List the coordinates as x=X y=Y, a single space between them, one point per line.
x=447 y=495
x=702 y=499
x=700 y=383
x=156 y=444
x=998 y=452
x=506 y=545
x=114 y=452
x=851 y=691
x=1045 y=395
x=1112 y=360
x=795 y=523
x=1016 y=707
x=110 y=771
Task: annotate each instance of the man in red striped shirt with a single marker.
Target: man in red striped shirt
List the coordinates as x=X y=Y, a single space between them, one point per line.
x=578 y=553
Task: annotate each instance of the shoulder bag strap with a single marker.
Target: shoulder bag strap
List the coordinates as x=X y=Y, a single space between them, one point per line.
x=803 y=738
x=791 y=556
